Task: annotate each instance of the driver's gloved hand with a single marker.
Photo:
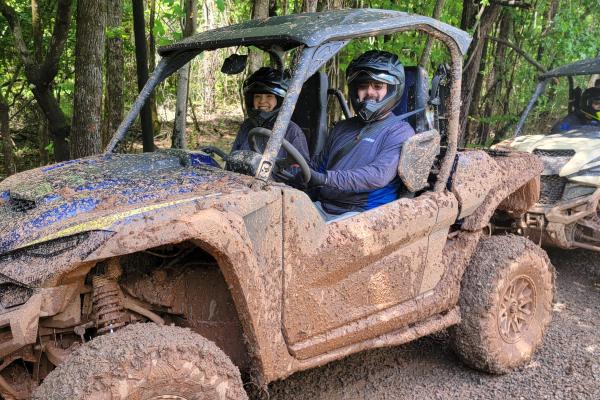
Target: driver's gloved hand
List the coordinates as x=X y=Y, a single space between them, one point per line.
x=317 y=179
x=289 y=174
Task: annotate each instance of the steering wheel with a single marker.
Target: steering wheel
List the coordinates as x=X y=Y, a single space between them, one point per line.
x=212 y=150
x=291 y=151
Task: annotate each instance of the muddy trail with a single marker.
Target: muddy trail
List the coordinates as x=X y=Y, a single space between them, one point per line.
x=566 y=367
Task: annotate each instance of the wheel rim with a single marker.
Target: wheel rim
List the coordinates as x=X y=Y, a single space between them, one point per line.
x=517 y=308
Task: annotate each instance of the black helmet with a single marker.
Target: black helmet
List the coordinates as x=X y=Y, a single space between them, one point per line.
x=381 y=66
x=265 y=80
x=585 y=103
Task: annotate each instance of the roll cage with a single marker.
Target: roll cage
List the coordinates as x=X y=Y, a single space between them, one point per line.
x=579 y=68
x=319 y=37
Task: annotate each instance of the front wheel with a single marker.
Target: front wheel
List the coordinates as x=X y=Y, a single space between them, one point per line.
x=506 y=304
x=145 y=362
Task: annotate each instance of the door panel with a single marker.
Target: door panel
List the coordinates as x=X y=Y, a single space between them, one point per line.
x=337 y=275
x=346 y=270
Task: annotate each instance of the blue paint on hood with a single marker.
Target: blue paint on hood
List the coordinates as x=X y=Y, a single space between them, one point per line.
x=45 y=200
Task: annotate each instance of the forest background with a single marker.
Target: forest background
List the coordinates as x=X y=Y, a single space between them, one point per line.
x=69 y=69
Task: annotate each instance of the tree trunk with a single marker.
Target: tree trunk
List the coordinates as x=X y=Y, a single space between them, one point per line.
x=477 y=89
x=43 y=139
x=473 y=64
x=178 y=139
x=496 y=75
x=209 y=63
x=86 y=138
x=114 y=70
x=40 y=75
x=152 y=64
x=309 y=5
x=548 y=23
x=36 y=31
x=151 y=38
x=57 y=122
x=437 y=11
x=141 y=58
x=7 y=144
x=469 y=11
x=259 y=11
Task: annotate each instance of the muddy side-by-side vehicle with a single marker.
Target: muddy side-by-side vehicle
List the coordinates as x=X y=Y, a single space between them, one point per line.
x=566 y=215
x=161 y=275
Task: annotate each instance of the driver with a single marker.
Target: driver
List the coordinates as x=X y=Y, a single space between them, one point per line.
x=264 y=91
x=587 y=115
x=357 y=169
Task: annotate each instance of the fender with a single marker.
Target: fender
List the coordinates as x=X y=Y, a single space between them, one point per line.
x=517 y=175
x=251 y=269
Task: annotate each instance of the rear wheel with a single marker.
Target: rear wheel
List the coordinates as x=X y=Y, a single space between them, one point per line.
x=145 y=362
x=506 y=304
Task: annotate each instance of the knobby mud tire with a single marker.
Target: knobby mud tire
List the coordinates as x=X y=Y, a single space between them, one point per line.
x=507 y=277
x=142 y=362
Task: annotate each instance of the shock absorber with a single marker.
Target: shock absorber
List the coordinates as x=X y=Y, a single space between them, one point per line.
x=108 y=300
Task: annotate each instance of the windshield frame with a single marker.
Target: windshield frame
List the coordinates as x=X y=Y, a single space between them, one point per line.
x=310 y=60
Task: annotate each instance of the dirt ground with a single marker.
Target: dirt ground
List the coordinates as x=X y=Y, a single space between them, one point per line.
x=566 y=367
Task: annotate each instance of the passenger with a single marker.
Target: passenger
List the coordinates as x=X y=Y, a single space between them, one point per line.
x=264 y=91
x=357 y=168
x=588 y=114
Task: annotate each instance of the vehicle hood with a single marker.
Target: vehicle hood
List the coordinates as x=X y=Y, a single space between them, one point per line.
x=36 y=204
x=573 y=154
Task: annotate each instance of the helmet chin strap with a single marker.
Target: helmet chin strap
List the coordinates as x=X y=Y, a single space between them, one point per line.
x=369 y=107
x=260 y=118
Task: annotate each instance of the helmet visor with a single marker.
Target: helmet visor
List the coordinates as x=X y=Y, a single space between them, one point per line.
x=259 y=87
x=368 y=75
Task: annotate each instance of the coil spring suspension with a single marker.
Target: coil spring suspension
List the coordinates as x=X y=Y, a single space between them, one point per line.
x=108 y=307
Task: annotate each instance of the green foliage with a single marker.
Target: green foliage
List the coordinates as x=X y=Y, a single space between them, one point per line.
x=50 y=148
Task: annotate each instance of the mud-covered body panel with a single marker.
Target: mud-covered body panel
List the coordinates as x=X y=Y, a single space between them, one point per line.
x=475 y=174
x=515 y=170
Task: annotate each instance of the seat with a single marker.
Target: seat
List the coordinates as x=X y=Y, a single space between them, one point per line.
x=416 y=94
x=311 y=111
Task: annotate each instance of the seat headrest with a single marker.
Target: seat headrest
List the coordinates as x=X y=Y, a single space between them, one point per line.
x=416 y=94
x=311 y=111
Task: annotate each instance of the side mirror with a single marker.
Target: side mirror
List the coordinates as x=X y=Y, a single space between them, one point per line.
x=234 y=64
x=416 y=159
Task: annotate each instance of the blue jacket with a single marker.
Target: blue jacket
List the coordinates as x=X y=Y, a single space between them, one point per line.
x=367 y=176
x=573 y=121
